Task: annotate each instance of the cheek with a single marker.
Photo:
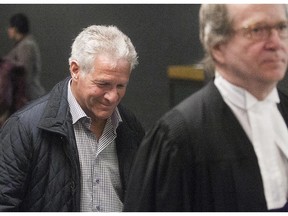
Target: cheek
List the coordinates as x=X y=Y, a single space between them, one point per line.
x=248 y=55
x=121 y=93
x=93 y=93
x=10 y=33
x=86 y=92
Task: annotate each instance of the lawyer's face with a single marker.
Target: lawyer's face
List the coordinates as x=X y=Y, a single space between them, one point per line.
x=257 y=52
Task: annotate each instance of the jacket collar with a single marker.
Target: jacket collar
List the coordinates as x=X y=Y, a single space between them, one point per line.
x=56 y=112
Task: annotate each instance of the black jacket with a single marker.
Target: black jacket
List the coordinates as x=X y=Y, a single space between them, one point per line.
x=39 y=164
x=198 y=158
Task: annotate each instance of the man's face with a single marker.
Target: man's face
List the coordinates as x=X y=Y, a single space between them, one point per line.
x=100 y=91
x=252 y=61
x=11 y=31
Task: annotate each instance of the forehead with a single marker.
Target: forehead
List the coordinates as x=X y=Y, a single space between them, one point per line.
x=246 y=14
x=110 y=62
x=110 y=67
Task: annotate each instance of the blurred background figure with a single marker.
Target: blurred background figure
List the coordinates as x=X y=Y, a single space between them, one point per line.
x=25 y=53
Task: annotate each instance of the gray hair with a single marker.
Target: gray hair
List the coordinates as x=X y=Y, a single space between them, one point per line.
x=215 y=27
x=97 y=39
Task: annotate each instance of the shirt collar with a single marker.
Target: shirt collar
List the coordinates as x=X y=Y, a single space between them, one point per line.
x=240 y=97
x=77 y=112
x=272 y=98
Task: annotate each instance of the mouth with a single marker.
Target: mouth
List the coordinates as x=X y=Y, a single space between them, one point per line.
x=106 y=107
x=275 y=61
x=275 y=58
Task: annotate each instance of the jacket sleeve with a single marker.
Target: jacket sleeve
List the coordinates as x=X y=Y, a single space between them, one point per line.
x=14 y=164
x=158 y=181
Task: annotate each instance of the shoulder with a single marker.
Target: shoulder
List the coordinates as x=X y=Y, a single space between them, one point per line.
x=22 y=128
x=169 y=133
x=30 y=115
x=28 y=43
x=207 y=101
x=173 y=125
x=187 y=120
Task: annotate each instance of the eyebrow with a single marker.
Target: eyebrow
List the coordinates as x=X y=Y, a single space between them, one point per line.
x=265 y=23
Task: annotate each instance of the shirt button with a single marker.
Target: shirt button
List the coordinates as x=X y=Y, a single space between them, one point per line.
x=97 y=181
x=98 y=208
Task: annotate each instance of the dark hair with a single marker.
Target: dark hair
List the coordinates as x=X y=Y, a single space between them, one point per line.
x=20 y=22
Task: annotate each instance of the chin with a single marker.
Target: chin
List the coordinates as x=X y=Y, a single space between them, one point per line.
x=104 y=116
x=281 y=75
x=276 y=73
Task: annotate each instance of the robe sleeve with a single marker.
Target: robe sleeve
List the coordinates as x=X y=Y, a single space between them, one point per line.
x=159 y=180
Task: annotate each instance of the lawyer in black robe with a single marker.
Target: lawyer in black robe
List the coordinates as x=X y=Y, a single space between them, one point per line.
x=198 y=158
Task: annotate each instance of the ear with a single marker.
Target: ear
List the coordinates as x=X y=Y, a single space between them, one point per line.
x=218 y=53
x=74 y=70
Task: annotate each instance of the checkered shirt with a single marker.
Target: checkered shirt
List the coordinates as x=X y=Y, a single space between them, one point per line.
x=100 y=179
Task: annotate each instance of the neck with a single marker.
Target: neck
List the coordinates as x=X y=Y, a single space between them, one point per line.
x=97 y=127
x=259 y=90
x=19 y=37
x=259 y=93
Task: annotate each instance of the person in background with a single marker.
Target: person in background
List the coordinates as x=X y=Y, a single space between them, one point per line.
x=224 y=148
x=72 y=149
x=26 y=53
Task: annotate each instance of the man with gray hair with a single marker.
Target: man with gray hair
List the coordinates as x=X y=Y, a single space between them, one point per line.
x=72 y=149
x=225 y=148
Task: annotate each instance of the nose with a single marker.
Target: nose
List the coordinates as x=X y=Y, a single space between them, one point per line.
x=274 y=39
x=112 y=95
